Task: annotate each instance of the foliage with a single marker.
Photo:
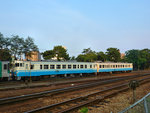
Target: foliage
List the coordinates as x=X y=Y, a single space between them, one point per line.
x=101 y=56
x=87 y=51
x=113 y=54
x=48 y=54
x=5 y=55
x=17 y=46
x=29 y=46
x=58 y=51
x=61 y=53
x=84 y=110
x=139 y=58
x=73 y=58
x=87 y=56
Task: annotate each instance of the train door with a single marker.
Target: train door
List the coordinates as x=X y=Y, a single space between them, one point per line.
x=5 y=70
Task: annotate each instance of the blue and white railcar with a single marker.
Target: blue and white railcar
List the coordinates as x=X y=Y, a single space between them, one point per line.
x=112 y=67
x=41 y=68
x=31 y=68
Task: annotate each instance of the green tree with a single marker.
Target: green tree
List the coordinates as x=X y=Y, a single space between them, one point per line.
x=101 y=56
x=16 y=46
x=113 y=54
x=73 y=58
x=81 y=58
x=29 y=46
x=61 y=53
x=58 y=51
x=87 y=56
x=1 y=41
x=87 y=51
x=133 y=57
x=145 y=59
x=47 y=55
x=5 y=55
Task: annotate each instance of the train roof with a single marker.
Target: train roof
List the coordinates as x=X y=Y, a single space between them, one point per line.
x=44 y=61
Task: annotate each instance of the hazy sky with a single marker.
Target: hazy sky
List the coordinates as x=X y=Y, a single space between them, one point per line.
x=79 y=24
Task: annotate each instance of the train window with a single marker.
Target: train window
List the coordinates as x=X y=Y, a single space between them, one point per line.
x=116 y=66
x=52 y=66
x=81 y=66
x=74 y=66
x=31 y=66
x=16 y=64
x=90 y=66
x=100 y=66
x=64 y=66
x=41 y=67
x=20 y=64
x=85 y=66
x=78 y=66
x=58 y=66
x=45 y=66
x=5 y=66
x=69 y=66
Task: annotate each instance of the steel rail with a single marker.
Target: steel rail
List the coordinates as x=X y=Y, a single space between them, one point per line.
x=49 y=84
x=57 y=91
x=123 y=86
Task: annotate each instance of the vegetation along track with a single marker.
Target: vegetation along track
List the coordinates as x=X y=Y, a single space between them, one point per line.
x=75 y=103
x=62 y=90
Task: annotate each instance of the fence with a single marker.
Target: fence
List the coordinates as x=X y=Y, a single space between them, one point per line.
x=141 y=106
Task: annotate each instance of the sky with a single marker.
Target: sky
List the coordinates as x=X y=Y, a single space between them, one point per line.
x=78 y=24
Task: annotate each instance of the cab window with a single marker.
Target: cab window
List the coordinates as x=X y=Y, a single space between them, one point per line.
x=5 y=66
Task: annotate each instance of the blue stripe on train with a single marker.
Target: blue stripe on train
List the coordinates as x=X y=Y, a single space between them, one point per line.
x=118 y=69
x=56 y=72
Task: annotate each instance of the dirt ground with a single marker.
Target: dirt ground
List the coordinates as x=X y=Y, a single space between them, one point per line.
x=120 y=101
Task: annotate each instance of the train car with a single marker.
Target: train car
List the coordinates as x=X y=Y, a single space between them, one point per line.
x=113 y=67
x=43 y=68
x=4 y=70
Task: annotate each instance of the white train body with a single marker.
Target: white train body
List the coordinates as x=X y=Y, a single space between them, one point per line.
x=41 y=68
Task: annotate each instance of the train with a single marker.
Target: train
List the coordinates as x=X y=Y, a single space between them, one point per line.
x=38 y=69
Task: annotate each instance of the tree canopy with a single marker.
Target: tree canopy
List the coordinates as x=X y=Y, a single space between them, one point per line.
x=101 y=56
x=58 y=51
x=5 y=55
x=17 y=46
x=139 y=58
x=113 y=54
x=87 y=56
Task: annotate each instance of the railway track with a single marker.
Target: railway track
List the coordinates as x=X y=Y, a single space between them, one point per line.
x=76 y=103
x=15 y=85
x=63 y=90
x=46 y=83
x=17 y=99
